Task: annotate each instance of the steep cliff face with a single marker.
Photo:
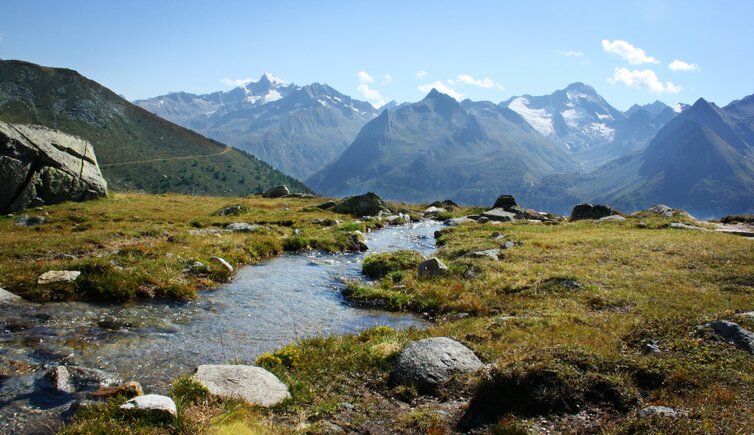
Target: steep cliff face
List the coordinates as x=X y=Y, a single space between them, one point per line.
x=43 y=166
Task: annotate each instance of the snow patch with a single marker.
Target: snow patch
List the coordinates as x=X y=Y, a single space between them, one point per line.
x=537 y=118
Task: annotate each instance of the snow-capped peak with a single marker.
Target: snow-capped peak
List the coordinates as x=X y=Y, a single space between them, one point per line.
x=275 y=80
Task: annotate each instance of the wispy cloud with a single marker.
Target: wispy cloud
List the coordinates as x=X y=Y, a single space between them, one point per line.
x=643 y=79
x=442 y=87
x=236 y=82
x=570 y=53
x=486 y=82
x=387 y=79
x=629 y=53
x=679 y=65
x=421 y=74
x=370 y=94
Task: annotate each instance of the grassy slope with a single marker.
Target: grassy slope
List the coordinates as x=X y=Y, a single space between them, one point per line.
x=122 y=132
x=637 y=285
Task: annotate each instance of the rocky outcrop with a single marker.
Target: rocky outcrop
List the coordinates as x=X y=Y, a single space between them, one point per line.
x=43 y=166
x=276 y=192
x=429 y=363
x=369 y=204
x=253 y=384
x=589 y=211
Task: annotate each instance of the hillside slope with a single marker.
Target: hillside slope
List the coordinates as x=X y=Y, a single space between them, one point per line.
x=136 y=149
x=297 y=129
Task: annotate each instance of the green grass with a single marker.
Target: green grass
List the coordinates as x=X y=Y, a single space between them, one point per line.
x=133 y=245
x=564 y=318
x=381 y=264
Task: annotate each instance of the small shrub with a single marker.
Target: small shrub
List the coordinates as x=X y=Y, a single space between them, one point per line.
x=378 y=265
x=287 y=357
x=297 y=244
x=188 y=391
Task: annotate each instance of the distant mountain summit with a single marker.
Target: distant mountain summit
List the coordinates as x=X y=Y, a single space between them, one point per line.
x=586 y=126
x=135 y=149
x=440 y=148
x=700 y=161
x=297 y=129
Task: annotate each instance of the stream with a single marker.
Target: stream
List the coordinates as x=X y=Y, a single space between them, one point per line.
x=264 y=307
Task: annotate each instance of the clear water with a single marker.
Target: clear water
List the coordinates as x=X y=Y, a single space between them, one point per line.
x=265 y=307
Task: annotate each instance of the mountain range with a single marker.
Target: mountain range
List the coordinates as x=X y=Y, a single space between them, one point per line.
x=551 y=151
x=585 y=125
x=438 y=148
x=297 y=129
x=136 y=149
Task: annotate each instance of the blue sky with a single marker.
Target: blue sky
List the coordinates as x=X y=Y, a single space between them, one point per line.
x=383 y=50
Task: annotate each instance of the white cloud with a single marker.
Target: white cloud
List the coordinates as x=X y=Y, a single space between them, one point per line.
x=236 y=82
x=387 y=78
x=421 y=74
x=364 y=77
x=679 y=65
x=629 y=53
x=570 y=53
x=486 y=83
x=442 y=87
x=372 y=95
x=644 y=79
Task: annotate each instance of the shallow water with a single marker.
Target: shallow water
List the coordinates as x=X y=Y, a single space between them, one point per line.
x=264 y=307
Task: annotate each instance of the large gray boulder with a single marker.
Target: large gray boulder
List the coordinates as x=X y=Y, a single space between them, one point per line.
x=429 y=363
x=369 y=204
x=43 y=166
x=276 y=192
x=253 y=384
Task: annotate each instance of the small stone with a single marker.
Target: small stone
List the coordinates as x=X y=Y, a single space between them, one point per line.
x=613 y=218
x=242 y=227
x=682 y=226
x=53 y=276
x=458 y=221
x=60 y=379
x=507 y=245
x=661 y=411
x=432 y=268
x=222 y=262
x=483 y=220
x=491 y=254
x=153 y=405
x=28 y=221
